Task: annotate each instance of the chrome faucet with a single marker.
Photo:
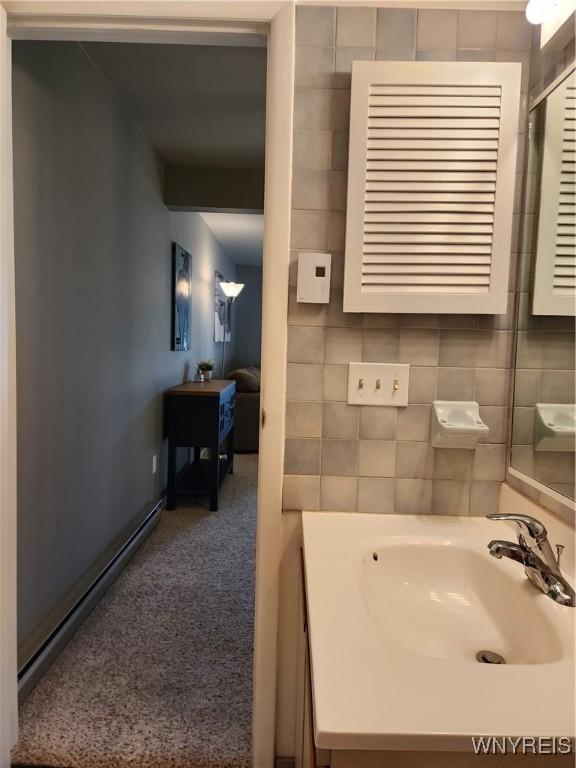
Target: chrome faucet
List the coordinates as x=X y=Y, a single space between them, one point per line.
x=534 y=552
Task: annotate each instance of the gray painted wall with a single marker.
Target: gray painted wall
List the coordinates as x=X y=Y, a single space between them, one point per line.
x=192 y=232
x=93 y=285
x=247 y=329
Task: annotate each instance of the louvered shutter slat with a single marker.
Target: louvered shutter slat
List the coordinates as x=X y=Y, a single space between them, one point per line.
x=436 y=123
x=375 y=168
x=428 y=207
x=423 y=228
x=416 y=237
x=404 y=174
x=430 y=143
x=463 y=133
x=427 y=219
x=425 y=258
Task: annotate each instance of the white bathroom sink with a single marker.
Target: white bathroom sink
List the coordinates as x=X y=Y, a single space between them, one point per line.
x=399 y=607
x=447 y=600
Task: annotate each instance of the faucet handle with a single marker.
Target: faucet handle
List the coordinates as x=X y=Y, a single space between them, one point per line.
x=526 y=524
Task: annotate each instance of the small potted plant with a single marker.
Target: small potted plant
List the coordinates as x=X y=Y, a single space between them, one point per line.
x=206 y=367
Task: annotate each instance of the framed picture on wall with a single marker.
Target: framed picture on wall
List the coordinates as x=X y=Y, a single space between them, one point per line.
x=181 y=297
x=222 y=331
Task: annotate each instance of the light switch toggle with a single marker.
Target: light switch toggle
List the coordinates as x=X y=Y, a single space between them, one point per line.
x=378 y=384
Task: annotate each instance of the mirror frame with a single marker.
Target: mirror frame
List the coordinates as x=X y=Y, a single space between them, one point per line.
x=547 y=497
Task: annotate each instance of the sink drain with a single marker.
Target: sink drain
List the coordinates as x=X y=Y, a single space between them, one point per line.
x=490 y=657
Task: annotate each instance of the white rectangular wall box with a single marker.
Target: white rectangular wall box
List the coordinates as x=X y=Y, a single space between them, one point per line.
x=378 y=384
x=431 y=180
x=456 y=424
x=314 y=278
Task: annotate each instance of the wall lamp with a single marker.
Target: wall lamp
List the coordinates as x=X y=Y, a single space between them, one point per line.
x=231 y=291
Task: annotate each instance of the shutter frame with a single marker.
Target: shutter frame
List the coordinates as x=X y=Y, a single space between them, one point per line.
x=555 y=253
x=376 y=200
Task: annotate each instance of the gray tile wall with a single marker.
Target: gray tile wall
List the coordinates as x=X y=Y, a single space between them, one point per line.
x=341 y=457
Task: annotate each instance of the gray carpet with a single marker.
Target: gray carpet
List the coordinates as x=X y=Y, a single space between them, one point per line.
x=160 y=675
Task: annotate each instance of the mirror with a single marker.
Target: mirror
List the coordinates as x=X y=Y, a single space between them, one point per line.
x=544 y=415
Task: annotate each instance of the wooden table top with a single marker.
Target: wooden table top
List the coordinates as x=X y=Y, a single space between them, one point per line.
x=202 y=388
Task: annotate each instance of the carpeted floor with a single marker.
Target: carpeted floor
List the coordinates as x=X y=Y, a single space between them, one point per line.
x=160 y=675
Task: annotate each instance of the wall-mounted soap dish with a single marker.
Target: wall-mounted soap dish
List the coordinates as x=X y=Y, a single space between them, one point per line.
x=555 y=427
x=456 y=424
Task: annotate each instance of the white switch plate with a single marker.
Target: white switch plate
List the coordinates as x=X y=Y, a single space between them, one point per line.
x=313 y=285
x=378 y=384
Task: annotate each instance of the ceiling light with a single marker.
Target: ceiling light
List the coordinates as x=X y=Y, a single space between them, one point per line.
x=538 y=11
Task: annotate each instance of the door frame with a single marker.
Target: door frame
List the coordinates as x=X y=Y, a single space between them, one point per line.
x=162 y=21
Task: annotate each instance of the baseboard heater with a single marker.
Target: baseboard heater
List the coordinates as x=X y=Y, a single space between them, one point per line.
x=31 y=673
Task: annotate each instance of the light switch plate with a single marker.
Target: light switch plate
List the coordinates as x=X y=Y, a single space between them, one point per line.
x=378 y=384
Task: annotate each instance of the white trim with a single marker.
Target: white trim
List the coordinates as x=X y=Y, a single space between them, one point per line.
x=211 y=10
x=553 y=85
x=157 y=30
x=538 y=486
x=274 y=319
x=561 y=505
x=8 y=659
x=263 y=10
x=554 y=270
x=277 y=200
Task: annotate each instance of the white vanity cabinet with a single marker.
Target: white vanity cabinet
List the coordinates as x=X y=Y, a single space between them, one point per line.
x=401 y=611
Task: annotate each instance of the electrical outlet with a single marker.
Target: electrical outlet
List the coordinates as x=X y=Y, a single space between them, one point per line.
x=154 y=463
x=378 y=384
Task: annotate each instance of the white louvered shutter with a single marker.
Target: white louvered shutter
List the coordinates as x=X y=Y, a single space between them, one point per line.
x=555 y=273
x=430 y=186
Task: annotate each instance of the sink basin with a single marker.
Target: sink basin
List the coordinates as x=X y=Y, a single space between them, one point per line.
x=400 y=606
x=446 y=600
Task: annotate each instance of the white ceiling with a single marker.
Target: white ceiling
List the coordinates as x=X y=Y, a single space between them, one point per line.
x=240 y=234
x=199 y=105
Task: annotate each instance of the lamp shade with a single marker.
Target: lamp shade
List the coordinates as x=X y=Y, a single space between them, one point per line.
x=231 y=290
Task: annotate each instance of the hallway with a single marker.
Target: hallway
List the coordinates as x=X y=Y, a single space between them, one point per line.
x=160 y=675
